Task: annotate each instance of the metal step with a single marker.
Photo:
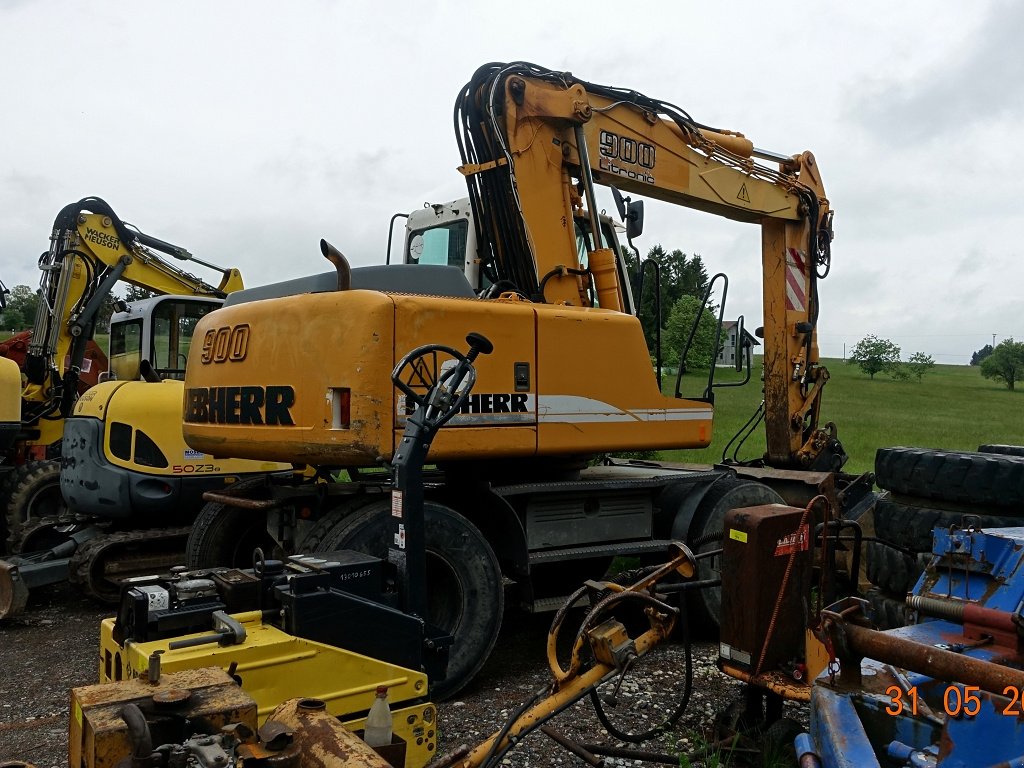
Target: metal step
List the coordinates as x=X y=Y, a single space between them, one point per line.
x=552 y=604
x=645 y=547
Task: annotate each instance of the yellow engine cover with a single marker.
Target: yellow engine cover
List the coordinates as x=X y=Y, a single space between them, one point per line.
x=307 y=379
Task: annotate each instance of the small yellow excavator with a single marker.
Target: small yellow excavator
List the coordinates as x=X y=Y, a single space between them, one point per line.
x=91 y=249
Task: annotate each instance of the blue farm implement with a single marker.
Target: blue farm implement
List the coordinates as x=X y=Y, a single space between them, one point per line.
x=944 y=691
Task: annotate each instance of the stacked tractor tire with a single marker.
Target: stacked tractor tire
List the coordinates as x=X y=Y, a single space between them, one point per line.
x=929 y=489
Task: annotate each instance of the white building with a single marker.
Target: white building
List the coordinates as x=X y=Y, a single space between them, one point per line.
x=727 y=357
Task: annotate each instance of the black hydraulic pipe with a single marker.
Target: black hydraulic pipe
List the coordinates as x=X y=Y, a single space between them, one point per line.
x=686 y=586
x=139 y=737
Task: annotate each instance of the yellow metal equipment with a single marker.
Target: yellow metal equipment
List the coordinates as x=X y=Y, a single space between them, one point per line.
x=574 y=399
x=201 y=718
x=99 y=736
x=612 y=651
x=91 y=249
x=273 y=666
x=10 y=410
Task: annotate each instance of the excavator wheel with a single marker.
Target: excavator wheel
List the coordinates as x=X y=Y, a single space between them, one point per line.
x=227 y=536
x=727 y=493
x=34 y=495
x=463 y=578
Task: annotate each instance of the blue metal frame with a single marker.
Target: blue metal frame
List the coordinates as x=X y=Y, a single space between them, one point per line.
x=851 y=727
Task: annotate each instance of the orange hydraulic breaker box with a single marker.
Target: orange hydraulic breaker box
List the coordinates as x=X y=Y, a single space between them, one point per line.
x=758 y=545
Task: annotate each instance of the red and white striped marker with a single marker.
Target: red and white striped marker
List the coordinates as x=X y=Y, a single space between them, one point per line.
x=796 y=294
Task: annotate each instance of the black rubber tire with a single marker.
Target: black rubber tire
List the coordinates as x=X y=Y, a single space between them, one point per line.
x=891 y=569
x=465 y=590
x=227 y=536
x=887 y=611
x=777 y=747
x=8 y=477
x=744 y=712
x=981 y=479
x=726 y=494
x=910 y=526
x=311 y=541
x=34 y=494
x=1006 y=450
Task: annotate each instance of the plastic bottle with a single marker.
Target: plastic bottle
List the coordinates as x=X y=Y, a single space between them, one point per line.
x=378 y=722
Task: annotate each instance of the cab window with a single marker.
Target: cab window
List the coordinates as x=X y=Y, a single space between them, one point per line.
x=174 y=323
x=583 y=243
x=444 y=244
x=126 y=349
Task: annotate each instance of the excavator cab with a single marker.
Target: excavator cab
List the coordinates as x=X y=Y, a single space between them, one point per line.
x=159 y=330
x=444 y=234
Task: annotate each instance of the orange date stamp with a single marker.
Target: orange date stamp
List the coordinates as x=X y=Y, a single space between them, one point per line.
x=957 y=701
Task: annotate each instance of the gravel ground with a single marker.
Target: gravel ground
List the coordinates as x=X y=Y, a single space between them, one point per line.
x=44 y=653
x=54 y=647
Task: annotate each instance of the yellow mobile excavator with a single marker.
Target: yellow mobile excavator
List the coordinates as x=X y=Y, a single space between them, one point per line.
x=513 y=507
x=91 y=249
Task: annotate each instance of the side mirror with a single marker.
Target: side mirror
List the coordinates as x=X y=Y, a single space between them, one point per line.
x=634 y=219
x=740 y=345
x=631 y=212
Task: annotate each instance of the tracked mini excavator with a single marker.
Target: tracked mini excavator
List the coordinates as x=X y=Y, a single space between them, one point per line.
x=92 y=249
x=516 y=505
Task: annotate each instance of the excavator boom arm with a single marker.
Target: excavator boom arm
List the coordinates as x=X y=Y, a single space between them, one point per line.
x=535 y=143
x=90 y=250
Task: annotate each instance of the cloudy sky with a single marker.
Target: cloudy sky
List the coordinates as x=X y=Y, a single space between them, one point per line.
x=246 y=131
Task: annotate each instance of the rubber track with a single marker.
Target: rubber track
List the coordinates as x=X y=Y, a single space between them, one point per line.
x=7 y=478
x=89 y=555
x=982 y=479
x=29 y=531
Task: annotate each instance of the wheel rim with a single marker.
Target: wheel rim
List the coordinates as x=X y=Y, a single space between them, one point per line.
x=252 y=538
x=32 y=516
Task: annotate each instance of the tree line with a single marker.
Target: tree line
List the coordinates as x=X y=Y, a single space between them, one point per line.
x=1003 y=363
x=22 y=302
x=875 y=355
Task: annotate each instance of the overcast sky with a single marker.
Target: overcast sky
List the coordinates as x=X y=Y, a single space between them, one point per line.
x=246 y=131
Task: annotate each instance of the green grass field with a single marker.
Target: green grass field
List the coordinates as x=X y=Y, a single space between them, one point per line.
x=952 y=407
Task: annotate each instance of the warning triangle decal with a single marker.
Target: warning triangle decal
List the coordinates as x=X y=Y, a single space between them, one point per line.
x=743 y=194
